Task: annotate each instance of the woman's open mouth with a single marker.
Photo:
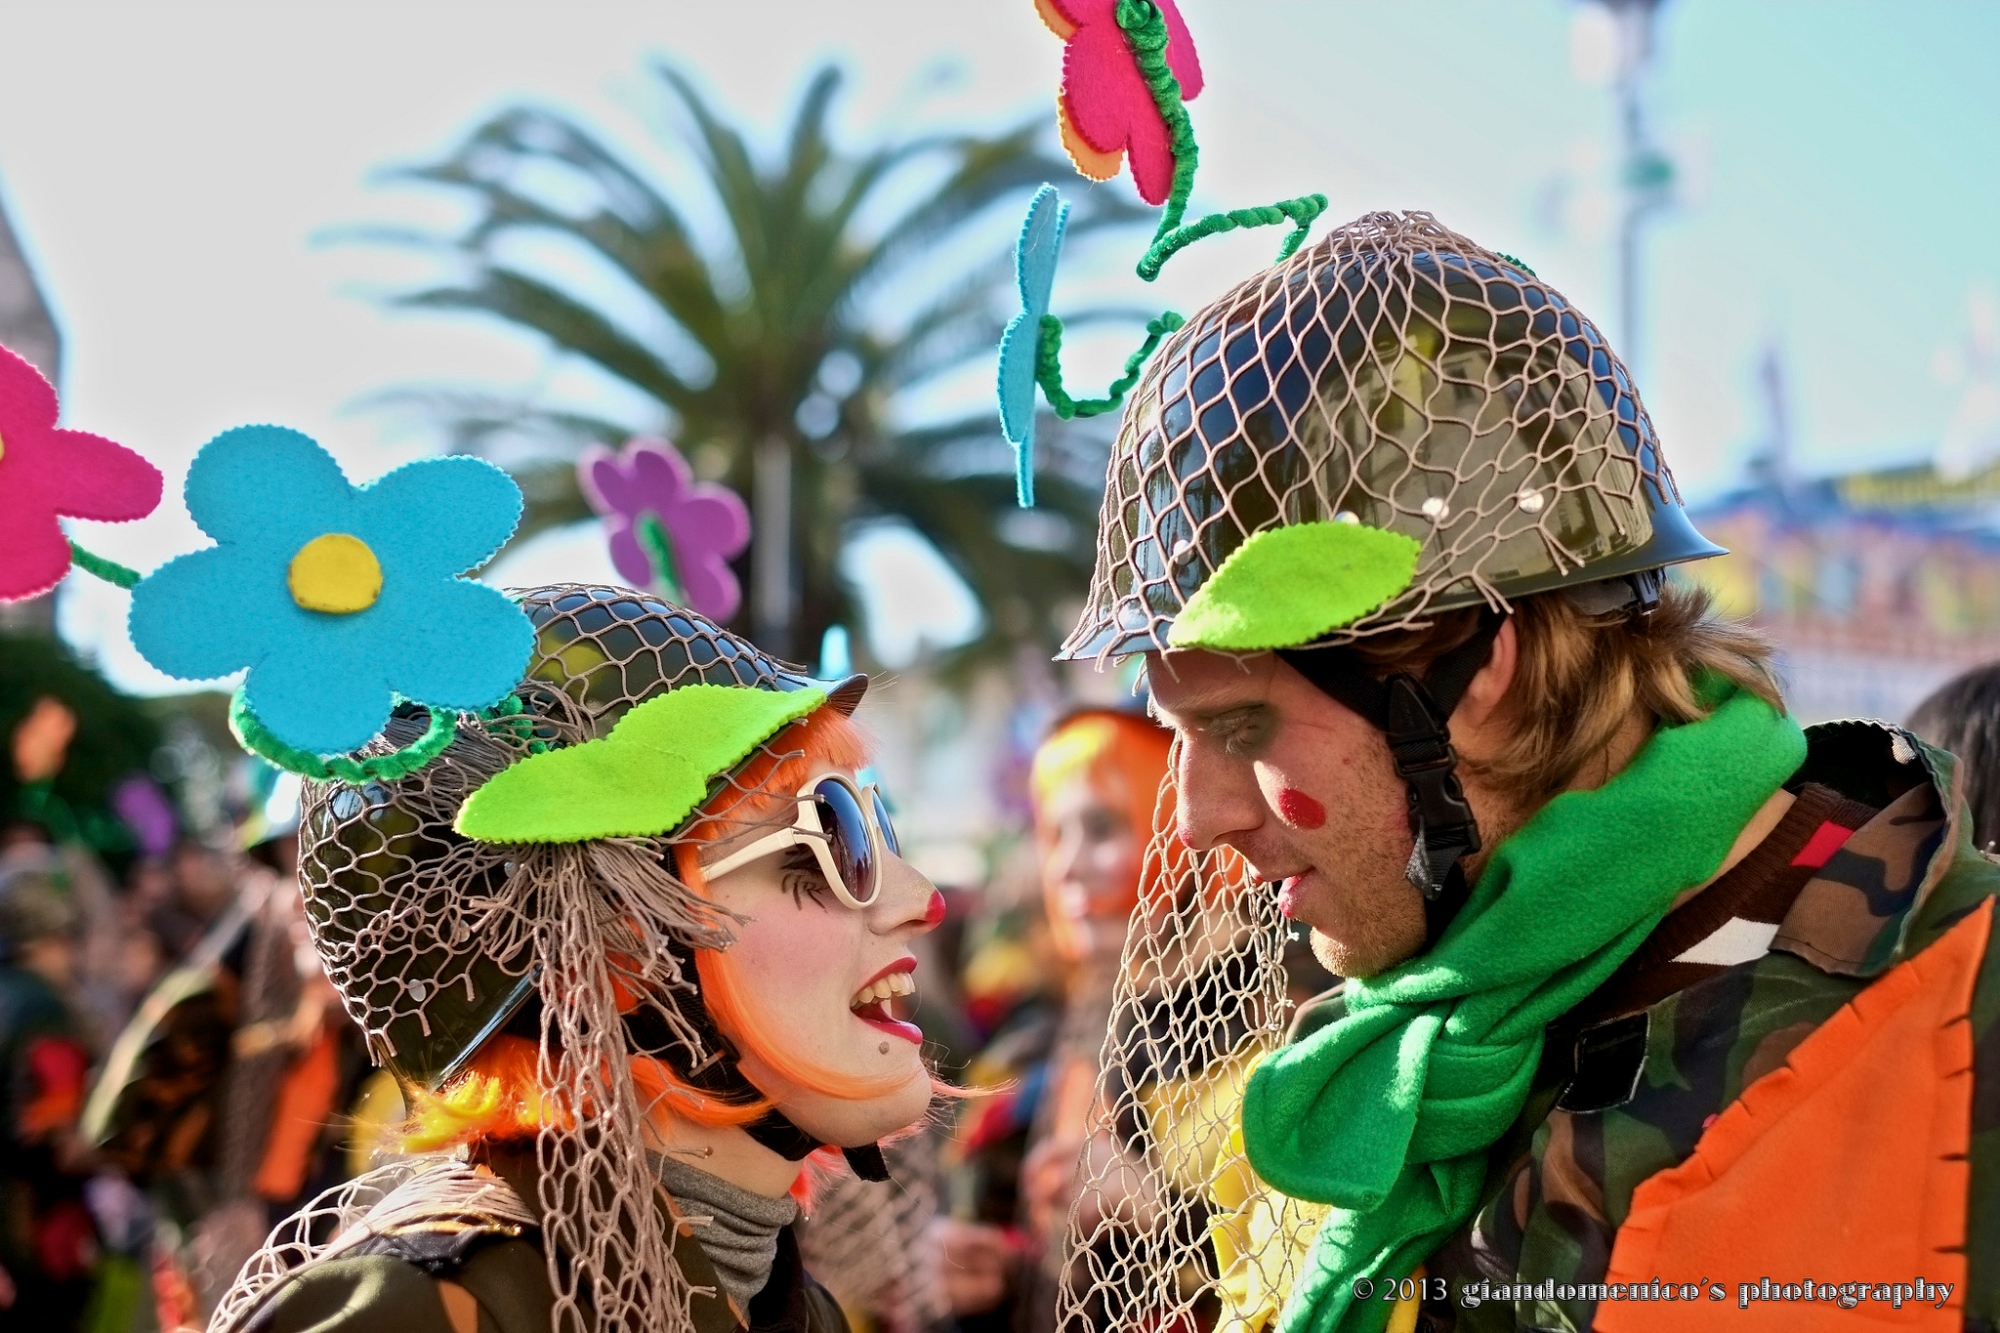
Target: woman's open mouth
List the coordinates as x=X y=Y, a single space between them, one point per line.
x=889 y=1001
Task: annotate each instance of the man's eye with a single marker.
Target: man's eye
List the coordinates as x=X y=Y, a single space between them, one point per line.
x=1244 y=734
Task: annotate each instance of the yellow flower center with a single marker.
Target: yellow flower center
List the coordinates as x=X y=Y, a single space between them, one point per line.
x=335 y=573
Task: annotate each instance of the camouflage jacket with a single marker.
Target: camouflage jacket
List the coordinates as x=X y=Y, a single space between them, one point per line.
x=1616 y=1105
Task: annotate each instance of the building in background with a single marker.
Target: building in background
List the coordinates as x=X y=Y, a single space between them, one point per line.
x=1877 y=585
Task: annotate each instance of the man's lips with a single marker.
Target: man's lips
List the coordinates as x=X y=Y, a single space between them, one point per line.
x=1288 y=893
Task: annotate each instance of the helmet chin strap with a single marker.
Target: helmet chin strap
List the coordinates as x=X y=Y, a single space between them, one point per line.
x=720 y=1075
x=1413 y=715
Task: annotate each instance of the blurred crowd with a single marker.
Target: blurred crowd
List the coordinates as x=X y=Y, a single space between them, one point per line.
x=176 y=1074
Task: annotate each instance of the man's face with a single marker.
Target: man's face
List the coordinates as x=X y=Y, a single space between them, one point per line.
x=1305 y=790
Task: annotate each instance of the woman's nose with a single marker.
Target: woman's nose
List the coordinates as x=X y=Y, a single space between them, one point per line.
x=908 y=901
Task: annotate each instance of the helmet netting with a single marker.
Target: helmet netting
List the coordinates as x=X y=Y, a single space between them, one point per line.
x=1394 y=374
x=429 y=1187
x=408 y=917
x=1171 y=1229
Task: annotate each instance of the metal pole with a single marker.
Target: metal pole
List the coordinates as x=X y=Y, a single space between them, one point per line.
x=1632 y=212
x=1644 y=173
x=771 y=552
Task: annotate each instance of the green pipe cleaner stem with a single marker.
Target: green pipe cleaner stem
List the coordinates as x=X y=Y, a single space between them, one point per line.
x=108 y=570
x=509 y=713
x=1302 y=212
x=1146 y=33
x=255 y=737
x=1048 y=367
x=652 y=535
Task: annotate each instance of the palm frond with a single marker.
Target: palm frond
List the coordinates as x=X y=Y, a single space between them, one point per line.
x=792 y=277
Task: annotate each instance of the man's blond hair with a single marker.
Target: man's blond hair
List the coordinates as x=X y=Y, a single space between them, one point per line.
x=1580 y=676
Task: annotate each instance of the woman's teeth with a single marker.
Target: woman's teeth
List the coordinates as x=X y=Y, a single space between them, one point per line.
x=884 y=988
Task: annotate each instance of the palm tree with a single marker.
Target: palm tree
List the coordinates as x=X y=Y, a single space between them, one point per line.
x=779 y=351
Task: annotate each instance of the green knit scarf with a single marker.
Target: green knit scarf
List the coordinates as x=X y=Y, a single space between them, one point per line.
x=1387 y=1112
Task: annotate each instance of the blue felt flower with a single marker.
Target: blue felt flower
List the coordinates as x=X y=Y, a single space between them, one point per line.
x=1035 y=270
x=338 y=598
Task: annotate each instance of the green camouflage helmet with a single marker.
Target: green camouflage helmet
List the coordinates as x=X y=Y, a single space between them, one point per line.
x=433 y=939
x=1394 y=423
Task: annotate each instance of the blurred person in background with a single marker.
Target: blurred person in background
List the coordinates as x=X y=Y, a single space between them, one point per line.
x=201 y=882
x=48 y=1245
x=1963 y=716
x=1093 y=785
x=222 y=1098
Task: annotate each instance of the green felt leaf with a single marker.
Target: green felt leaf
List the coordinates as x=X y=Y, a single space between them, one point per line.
x=644 y=778
x=1288 y=586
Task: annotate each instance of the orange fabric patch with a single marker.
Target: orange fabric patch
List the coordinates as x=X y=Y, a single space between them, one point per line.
x=1086 y=157
x=1846 y=1165
x=304 y=1108
x=461 y=1307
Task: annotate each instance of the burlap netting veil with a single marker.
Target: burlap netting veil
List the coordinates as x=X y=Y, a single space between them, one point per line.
x=1394 y=374
x=436 y=943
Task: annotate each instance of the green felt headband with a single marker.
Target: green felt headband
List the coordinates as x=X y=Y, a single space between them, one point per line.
x=1288 y=586
x=640 y=780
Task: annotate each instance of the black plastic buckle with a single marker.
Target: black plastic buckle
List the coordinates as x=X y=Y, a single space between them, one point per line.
x=1420 y=743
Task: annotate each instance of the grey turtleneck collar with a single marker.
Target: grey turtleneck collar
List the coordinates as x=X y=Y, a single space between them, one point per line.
x=741 y=1240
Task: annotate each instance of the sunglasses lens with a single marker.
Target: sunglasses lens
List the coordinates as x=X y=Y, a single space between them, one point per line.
x=847 y=839
x=882 y=822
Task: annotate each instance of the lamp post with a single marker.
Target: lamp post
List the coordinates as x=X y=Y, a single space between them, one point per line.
x=1645 y=172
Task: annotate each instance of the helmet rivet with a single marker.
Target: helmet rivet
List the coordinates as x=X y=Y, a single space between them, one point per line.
x=1435 y=509
x=1530 y=500
x=1347 y=516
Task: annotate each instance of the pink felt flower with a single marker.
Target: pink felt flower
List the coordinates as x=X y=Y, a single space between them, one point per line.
x=46 y=473
x=704 y=524
x=1106 y=112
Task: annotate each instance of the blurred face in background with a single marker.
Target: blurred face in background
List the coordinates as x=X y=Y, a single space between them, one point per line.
x=1094 y=782
x=201 y=879
x=1091 y=858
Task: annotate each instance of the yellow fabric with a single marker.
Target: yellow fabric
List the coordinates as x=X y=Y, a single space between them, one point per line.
x=1193 y=1122
x=373 y=1120
x=335 y=573
x=1261 y=1240
x=1403 y=1319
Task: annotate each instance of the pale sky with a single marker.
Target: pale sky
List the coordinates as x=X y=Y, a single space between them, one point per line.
x=175 y=170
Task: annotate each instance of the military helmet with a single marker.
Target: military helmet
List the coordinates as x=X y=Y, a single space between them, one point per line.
x=413 y=921
x=1398 y=377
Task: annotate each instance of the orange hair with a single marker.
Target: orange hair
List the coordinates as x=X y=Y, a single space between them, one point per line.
x=1121 y=755
x=499 y=1096
x=1123 y=758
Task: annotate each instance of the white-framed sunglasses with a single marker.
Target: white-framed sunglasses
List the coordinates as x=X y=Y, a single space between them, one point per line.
x=848 y=829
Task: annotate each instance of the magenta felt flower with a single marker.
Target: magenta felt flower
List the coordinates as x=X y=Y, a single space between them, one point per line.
x=46 y=473
x=653 y=506
x=1106 y=112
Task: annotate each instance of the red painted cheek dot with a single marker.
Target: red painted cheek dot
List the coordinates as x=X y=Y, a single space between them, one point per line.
x=934 y=910
x=1300 y=810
